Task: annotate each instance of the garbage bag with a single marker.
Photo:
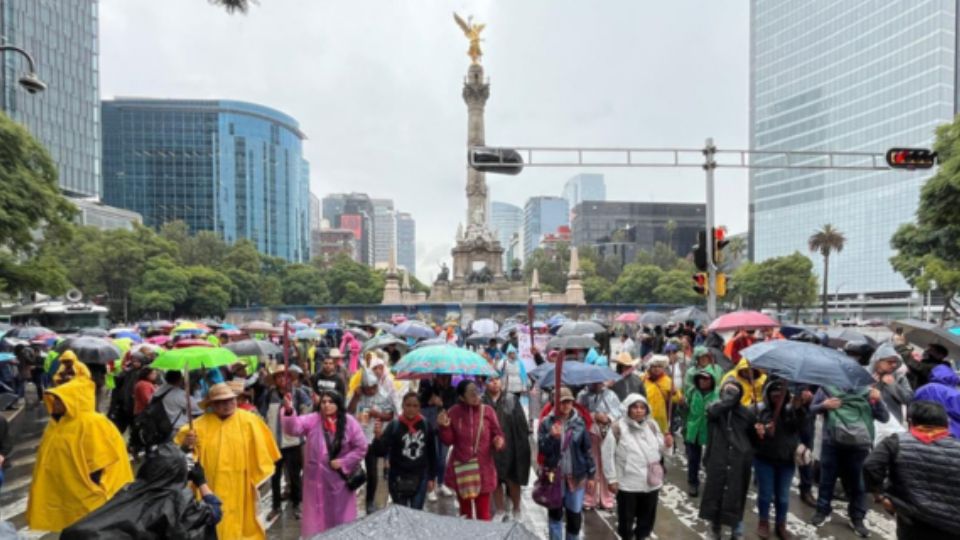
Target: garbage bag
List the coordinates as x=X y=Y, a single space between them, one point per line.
x=158 y=504
x=397 y=522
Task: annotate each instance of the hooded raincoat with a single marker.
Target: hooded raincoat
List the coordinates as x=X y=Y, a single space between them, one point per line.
x=73 y=448
x=79 y=368
x=630 y=448
x=513 y=462
x=752 y=393
x=697 y=402
x=237 y=454
x=942 y=388
x=895 y=396
x=350 y=348
x=657 y=392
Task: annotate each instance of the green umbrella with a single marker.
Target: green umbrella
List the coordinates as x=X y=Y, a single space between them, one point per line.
x=191 y=358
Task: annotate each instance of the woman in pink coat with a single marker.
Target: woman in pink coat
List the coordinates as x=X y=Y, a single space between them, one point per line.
x=459 y=429
x=335 y=444
x=350 y=348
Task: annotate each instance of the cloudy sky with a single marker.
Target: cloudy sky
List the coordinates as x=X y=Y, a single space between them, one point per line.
x=376 y=87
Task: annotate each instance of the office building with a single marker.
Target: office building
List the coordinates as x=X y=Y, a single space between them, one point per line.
x=624 y=228
x=861 y=76
x=384 y=232
x=326 y=243
x=353 y=211
x=230 y=167
x=506 y=220
x=316 y=215
x=542 y=215
x=584 y=187
x=407 y=242
x=93 y=213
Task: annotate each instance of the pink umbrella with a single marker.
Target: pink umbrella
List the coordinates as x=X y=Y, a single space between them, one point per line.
x=630 y=318
x=158 y=340
x=742 y=319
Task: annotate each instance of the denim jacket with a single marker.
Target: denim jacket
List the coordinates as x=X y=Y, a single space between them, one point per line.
x=550 y=446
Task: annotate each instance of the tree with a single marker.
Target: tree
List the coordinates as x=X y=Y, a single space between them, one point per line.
x=209 y=292
x=636 y=284
x=826 y=241
x=304 y=285
x=928 y=251
x=736 y=252
x=785 y=282
x=664 y=256
x=350 y=282
x=234 y=6
x=675 y=287
x=163 y=287
x=552 y=266
x=597 y=289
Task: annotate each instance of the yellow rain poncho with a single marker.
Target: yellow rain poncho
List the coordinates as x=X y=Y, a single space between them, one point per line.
x=237 y=454
x=77 y=445
x=751 y=395
x=81 y=369
x=657 y=393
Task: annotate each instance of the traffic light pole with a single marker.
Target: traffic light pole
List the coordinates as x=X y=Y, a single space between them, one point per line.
x=709 y=165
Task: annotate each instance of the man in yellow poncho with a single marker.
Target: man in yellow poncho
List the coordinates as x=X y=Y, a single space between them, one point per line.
x=752 y=393
x=70 y=367
x=237 y=451
x=659 y=388
x=82 y=460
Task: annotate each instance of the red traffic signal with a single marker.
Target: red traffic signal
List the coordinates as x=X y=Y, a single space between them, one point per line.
x=719 y=242
x=700 y=283
x=911 y=158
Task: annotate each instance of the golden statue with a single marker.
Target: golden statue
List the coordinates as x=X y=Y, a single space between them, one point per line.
x=472 y=31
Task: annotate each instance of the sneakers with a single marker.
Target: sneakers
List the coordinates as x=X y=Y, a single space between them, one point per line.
x=498 y=517
x=432 y=495
x=446 y=492
x=818 y=519
x=763 y=529
x=859 y=528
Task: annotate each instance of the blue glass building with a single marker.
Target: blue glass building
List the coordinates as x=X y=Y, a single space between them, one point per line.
x=542 y=215
x=857 y=75
x=226 y=166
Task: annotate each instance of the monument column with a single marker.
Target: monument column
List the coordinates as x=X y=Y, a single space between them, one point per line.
x=475 y=93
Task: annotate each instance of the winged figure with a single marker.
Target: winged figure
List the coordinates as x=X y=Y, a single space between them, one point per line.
x=472 y=31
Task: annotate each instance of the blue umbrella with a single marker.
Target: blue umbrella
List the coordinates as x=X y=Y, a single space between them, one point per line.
x=299 y=325
x=328 y=326
x=7 y=356
x=573 y=374
x=806 y=363
x=285 y=317
x=308 y=333
x=228 y=326
x=955 y=330
x=133 y=336
x=413 y=329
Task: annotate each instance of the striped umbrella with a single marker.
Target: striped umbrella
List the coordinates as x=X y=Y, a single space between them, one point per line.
x=442 y=359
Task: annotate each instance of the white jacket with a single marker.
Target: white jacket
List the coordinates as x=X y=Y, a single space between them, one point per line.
x=625 y=461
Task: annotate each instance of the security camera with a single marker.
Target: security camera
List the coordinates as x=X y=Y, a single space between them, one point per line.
x=32 y=84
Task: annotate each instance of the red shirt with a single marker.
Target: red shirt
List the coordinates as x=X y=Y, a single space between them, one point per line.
x=142 y=392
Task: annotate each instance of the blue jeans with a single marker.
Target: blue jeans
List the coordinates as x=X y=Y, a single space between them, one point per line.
x=430 y=414
x=847 y=463
x=418 y=498
x=573 y=505
x=806 y=471
x=773 y=483
x=694 y=454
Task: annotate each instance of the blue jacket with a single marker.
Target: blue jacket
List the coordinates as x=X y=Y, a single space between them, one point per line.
x=582 y=458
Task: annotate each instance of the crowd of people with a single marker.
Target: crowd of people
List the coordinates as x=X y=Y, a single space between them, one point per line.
x=332 y=419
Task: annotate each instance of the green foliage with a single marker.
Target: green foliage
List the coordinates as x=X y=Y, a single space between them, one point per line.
x=637 y=283
x=928 y=251
x=163 y=287
x=675 y=287
x=552 y=267
x=304 y=284
x=785 y=282
x=350 y=282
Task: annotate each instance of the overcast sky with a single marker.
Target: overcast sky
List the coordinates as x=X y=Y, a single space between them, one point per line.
x=376 y=87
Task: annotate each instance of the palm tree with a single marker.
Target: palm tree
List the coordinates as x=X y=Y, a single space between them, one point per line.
x=826 y=240
x=737 y=250
x=234 y=5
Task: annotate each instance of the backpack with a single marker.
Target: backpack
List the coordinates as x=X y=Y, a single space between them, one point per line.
x=152 y=426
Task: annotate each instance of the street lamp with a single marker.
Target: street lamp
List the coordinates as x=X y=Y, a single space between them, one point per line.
x=30 y=82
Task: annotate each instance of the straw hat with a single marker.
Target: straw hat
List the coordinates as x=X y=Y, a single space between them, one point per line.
x=277 y=368
x=219 y=392
x=658 y=360
x=335 y=353
x=624 y=359
x=237 y=386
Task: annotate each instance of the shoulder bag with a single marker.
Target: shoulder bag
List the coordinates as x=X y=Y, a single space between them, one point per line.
x=548 y=489
x=467 y=473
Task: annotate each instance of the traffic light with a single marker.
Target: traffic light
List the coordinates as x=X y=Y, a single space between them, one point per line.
x=701 y=284
x=911 y=158
x=721 y=285
x=496 y=160
x=719 y=242
x=700 y=251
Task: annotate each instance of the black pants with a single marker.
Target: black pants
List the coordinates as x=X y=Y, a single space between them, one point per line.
x=291 y=461
x=636 y=513
x=908 y=529
x=370 y=461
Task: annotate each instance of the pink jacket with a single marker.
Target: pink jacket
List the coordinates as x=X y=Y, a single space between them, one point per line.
x=461 y=434
x=350 y=347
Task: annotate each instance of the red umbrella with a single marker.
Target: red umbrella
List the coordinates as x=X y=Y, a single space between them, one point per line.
x=628 y=318
x=184 y=343
x=742 y=319
x=158 y=340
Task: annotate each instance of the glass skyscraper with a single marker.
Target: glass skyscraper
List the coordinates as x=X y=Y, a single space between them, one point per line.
x=506 y=220
x=542 y=215
x=584 y=187
x=857 y=75
x=62 y=37
x=226 y=166
x=407 y=242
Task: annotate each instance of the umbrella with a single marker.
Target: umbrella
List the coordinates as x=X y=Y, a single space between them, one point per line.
x=187 y=325
x=185 y=343
x=261 y=327
x=653 y=318
x=439 y=340
x=7 y=356
x=308 y=333
x=228 y=326
x=47 y=340
x=790 y=330
x=91 y=350
x=359 y=333
x=483 y=339
x=484 y=326
x=442 y=359
x=580 y=328
x=628 y=318
x=384 y=340
x=93 y=332
x=413 y=329
x=330 y=326
x=396 y=521
x=557 y=320
x=807 y=363
x=742 y=319
x=189 y=331
x=955 y=330
x=254 y=347
x=28 y=332
x=689 y=314
x=923 y=334
x=573 y=374
x=838 y=337
x=158 y=340
x=386 y=327
x=285 y=317
x=299 y=326
x=129 y=334
x=194 y=358
x=572 y=342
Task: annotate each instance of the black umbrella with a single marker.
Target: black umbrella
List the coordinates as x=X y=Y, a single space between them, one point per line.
x=572 y=342
x=807 y=363
x=653 y=318
x=483 y=339
x=93 y=332
x=580 y=328
x=359 y=333
x=924 y=334
x=838 y=337
x=689 y=314
x=90 y=350
x=254 y=347
x=384 y=340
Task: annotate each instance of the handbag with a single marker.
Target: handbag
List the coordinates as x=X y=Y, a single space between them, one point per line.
x=406 y=486
x=548 y=489
x=467 y=473
x=355 y=479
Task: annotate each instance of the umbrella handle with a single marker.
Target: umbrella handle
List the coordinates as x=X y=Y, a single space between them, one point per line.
x=558 y=375
x=186 y=377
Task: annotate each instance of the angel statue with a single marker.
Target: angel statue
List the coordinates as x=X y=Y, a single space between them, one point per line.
x=472 y=31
